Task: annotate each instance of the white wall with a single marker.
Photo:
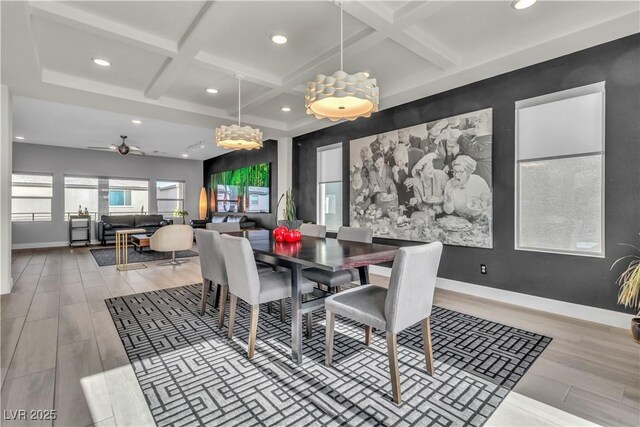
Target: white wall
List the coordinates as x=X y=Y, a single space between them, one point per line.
x=6 y=136
x=61 y=161
x=285 y=158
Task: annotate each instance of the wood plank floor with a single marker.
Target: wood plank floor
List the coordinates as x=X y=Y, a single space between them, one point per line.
x=60 y=349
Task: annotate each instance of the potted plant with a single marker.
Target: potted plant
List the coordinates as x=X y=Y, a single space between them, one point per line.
x=629 y=294
x=289 y=212
x=180 y=214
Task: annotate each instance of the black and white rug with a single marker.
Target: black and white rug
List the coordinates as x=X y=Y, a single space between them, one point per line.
x=107 y=256
x=192 y=375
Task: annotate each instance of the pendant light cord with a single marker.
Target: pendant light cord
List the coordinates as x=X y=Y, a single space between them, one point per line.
x=239 y=101
x=341 y=36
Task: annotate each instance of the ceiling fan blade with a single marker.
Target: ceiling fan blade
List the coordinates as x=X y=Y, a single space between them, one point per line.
x=133 y=147
x=137 y=153
x=100 y=148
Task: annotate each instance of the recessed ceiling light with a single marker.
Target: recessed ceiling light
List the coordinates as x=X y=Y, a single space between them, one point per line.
x=279 y=39
x=523 y=4
x=185 y=155
x=21 y=138
x=136 y=122
x=101 y=62
x=286 y=109
x=212 y=90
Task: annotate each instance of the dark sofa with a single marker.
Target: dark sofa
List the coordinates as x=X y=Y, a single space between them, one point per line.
x=108 y=224
x=222 y=217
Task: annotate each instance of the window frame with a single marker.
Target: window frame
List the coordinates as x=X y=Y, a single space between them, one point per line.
x=184 y=195
x=595 y=88
x=33 y=197
x=95 y=215
x=319 y=205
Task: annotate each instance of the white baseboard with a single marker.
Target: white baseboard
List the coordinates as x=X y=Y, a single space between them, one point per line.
x=562 y=308
x=7 y=289
x=41 y=245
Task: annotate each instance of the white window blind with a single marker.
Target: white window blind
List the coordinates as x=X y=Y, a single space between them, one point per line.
x=329 y=192
x=560 y=172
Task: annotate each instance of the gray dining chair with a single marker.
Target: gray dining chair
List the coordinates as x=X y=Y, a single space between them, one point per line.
x=313 y=230
x=214 y=270
x=407 y=301
x=336 y=279
x=224 y=227
x=255 y=289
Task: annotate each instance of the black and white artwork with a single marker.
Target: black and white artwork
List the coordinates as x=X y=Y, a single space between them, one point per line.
x=426 y=182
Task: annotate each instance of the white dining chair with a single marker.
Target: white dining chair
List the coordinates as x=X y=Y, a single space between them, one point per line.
x=313 y=230
x=407 y=301
x=224 y=227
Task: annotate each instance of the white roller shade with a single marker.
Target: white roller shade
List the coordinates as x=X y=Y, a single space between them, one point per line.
x=330 y=164
x=547 y=127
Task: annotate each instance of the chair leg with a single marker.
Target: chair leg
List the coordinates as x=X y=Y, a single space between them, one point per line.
x=203 y=298
x=428 y=349
x=253 y=330
x=223 y=304
x=367 y=335
x=328 y=358
x=392 y=350
x=269 y=308
x=215 y=293
x=308 y=320
x=232 y=315
x=282 y=314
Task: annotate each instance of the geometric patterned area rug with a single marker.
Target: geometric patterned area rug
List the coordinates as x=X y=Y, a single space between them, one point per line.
x=107 y=256
x=191 y=374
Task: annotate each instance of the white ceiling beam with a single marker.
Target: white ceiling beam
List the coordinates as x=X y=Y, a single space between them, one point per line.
x=423 y=46
x=230 y=68
x=195 y=38
x=92 y=86
x=76 y=18
x=415 y=12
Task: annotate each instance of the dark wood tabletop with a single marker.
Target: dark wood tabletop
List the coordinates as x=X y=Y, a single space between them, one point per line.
x=327 y=254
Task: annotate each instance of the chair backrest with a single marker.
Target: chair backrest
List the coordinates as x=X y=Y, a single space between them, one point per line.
x=241 y=269
x=224 y=227
x=313 y=230
x=413 y=281
x=356 y=234
x=175 y=237
x=211 y=256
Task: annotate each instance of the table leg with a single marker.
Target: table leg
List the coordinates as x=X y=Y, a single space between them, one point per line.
x=117 y=251
x=296 y=315
x=364 y=274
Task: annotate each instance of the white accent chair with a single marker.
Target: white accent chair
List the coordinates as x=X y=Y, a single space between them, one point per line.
x=245 y=283
x=407 y=301
x=313 y=230
x=224 y=227
x=172 y=238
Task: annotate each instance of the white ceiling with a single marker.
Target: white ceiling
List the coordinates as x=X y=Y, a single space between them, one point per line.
x=165 y=53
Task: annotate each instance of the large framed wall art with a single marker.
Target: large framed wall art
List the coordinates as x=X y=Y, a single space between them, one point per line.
x=426 y=182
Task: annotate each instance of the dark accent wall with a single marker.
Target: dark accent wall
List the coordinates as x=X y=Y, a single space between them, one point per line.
x=242 y=158
x=576 y=279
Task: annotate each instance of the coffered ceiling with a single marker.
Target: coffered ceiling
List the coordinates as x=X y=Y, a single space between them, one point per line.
x=164 y=54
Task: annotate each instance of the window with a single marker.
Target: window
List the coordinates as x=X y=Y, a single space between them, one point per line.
x=560 y=172
x=31 y=196
x=128 y=196
x=80 y=193
x=119 y=198
x=170 y=196
x=330 y=186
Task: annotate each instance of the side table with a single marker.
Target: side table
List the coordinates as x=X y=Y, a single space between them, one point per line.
x=122 y=250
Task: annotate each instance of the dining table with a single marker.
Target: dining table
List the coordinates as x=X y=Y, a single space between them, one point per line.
x=323 y=253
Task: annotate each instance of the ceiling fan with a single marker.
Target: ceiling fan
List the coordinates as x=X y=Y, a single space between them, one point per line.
x=123 y=148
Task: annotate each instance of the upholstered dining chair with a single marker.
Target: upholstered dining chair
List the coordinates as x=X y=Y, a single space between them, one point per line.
x=172 y=238
x=339 y=278
x=224 y=227
x=214 y=270
x=313 y=230
x=253 y=288
x=407 y=301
